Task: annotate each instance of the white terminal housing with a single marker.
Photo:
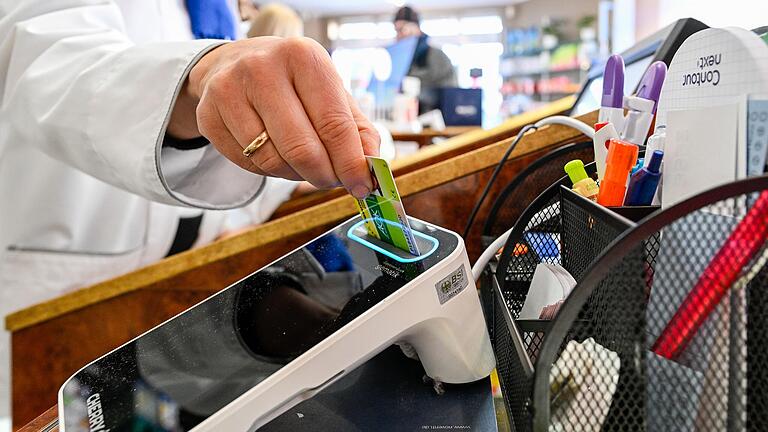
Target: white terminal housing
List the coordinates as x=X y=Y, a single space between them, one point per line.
x=279 y=336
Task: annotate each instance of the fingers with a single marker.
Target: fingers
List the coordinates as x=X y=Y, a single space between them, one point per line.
x=288 y=87
x=212 y=127
x=268 y=159
x=327 y=107
x=294 y=136
x=245 y=125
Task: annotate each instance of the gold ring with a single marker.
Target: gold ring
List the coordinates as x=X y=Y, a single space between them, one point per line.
x=256 y=144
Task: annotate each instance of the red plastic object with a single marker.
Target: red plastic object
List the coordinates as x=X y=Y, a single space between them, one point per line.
x=601 y=125
x=737 y=251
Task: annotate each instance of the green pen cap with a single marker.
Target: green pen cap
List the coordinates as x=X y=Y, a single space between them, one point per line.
x=575 y=170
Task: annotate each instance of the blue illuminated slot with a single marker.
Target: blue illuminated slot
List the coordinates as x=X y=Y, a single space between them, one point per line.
x=427 y=241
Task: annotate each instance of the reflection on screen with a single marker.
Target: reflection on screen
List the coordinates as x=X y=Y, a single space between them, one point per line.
x=177 y=375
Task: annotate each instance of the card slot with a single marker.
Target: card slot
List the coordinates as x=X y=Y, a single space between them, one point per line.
x=426 y=243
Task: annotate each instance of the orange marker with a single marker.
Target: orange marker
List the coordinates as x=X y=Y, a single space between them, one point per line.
x=622 y=156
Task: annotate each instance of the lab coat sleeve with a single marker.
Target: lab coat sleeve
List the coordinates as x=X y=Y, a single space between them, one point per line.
x=276 y=192
x=73 y=85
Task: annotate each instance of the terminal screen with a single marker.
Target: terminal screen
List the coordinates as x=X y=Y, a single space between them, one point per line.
x=177 y=375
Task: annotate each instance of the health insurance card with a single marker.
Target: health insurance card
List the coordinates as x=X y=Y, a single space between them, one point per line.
x=384 y=204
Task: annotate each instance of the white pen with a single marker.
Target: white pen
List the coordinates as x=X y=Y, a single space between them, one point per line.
x=642 y=107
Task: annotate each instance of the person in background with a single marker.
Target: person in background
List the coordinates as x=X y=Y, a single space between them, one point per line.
x=429 y=64
x=276 y=20
x=248 y=10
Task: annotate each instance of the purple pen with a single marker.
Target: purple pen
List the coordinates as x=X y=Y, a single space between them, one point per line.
x=642 y=107
x=612 y=103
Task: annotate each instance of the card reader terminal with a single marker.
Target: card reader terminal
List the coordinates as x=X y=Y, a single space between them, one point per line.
x=280 y=335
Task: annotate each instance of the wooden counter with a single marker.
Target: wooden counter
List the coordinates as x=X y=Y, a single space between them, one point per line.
x=53 y=339
x=425 y=137
x=46 y=422
x=429 y=155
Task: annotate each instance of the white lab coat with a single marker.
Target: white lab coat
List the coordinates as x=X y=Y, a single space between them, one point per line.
x=87 y=190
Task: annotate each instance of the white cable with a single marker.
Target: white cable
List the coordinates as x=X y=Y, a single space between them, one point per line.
x=568 y=121
x=497 y=244
x=488 y=254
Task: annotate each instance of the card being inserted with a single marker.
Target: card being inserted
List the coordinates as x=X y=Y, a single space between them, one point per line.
x=384 y=204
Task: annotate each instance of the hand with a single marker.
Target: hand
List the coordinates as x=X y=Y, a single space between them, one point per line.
x=290 y=88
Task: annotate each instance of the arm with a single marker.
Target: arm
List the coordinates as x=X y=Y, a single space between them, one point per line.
x=74 y=86
x=444 y=75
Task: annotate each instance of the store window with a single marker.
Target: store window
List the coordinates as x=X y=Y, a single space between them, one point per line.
x=365 y=30
x=471 y=42
x=440 y=27
x=484 y=56
x=481 y=25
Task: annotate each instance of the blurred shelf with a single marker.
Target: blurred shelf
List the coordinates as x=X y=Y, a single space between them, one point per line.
x=530 y=53
x=554 y=95
x=534 y=52
x=425 y=137
x=563 y=91
x=543 y=72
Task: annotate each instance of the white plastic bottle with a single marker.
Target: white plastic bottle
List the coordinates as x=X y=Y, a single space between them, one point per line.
x=656 y=141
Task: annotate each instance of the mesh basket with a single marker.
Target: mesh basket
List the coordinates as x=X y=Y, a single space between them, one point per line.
x=525 y=187
x=540 y=178
x=559 y=227
x=665 y=329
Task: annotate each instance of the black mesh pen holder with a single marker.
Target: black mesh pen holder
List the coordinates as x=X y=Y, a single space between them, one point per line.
x=673 y=340
x=546 y=227
x=559 y=227
x=520 y=193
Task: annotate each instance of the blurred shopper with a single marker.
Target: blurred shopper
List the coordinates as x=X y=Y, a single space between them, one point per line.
x=276 y=20
x=248 y=10
x=429 y=64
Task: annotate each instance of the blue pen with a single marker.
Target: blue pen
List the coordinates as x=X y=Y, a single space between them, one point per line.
x=643 y=184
